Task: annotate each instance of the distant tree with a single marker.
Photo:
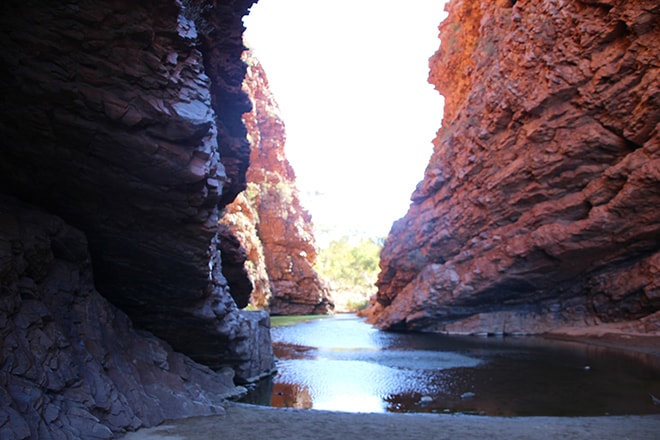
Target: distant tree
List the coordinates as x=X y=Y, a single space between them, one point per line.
x=349 y=266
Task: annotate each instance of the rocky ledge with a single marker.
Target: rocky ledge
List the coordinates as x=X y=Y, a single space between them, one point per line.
x=539 y=207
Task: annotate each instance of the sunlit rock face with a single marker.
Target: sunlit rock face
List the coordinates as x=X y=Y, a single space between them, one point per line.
x=539 y=207
x=275 y=229
x=124 y=119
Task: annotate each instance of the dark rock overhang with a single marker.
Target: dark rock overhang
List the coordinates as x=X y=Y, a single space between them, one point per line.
x=124 y=118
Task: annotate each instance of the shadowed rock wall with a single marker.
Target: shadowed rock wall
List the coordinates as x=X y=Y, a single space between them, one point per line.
x=73 y=366
x=123 y=119
x=539 y=207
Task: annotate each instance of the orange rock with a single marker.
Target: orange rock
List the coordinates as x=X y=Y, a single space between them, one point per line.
x=274 y=228
x=539 y=208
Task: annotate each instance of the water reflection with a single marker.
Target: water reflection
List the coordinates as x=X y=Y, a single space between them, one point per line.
x=286 y=395
x=343 y=364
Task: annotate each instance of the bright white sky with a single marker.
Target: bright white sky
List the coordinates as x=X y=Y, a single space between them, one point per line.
x=350 y=77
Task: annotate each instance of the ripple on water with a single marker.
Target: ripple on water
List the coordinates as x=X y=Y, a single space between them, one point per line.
x=335 y=333
x=413 y=360
x=363 y=384
x=343 y=364
x=313 y=357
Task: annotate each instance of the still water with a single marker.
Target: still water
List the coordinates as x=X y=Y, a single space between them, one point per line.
x=341 y=363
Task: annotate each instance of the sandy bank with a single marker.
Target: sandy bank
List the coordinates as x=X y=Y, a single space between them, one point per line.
x=615 y=336
x=249 y=422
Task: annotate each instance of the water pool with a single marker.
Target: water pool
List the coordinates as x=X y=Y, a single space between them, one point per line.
x=341 y=363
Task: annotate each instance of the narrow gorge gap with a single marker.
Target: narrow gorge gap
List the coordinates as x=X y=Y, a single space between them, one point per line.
x=123 y=127
x=349 y=82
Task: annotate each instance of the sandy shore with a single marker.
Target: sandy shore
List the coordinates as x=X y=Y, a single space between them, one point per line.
x=249 y=422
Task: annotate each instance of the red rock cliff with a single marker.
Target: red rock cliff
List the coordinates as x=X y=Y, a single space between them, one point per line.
x=281 y=250
x=539 y=207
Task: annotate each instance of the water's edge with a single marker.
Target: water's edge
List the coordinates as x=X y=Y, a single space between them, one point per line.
x=341 y=363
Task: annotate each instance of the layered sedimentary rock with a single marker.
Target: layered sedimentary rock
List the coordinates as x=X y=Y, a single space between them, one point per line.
x=124 y=119
x=273 y=226
x=240 y=218
x=539 y=207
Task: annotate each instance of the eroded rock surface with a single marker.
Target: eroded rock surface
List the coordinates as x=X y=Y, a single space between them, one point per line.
x=539 y=207
x=125 y=120
x=71 y=364
x=269 y=219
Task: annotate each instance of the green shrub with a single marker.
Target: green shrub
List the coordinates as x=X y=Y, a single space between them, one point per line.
x=350 y=267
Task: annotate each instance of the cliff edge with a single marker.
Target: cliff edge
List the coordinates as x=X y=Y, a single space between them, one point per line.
x=539 y=207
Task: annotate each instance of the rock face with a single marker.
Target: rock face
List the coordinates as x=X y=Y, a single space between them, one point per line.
x=280 y=249
x=240 y=218
x=73 y=366
x=124 y=120
x=539 y=207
